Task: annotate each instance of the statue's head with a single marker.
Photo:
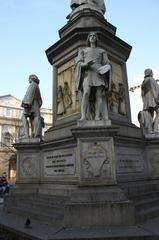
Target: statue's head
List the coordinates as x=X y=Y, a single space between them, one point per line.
x=92 y=37
x=34 y=78
x=148 y=72
x=98 y=5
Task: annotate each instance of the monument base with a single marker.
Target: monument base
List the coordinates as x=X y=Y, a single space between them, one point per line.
x=83 y=207
x=77 y=182
x=81 y=182
x=106 y=206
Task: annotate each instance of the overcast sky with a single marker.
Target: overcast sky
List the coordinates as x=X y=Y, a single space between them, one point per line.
x=29 y=27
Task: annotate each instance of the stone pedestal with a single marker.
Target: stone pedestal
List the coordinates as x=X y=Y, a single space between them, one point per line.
x=29 y=160
x=98 y=207
x=152 y=153
x=98 y=201
x=95 y=154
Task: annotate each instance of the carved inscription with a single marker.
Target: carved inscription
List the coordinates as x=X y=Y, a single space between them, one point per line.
x=59 y=163
x=130 y=163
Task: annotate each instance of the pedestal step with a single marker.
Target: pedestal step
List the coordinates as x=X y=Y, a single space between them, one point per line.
x=146 y=206
x=145 y=197
x=47 y=209
x=112 y=238
x=146 y=214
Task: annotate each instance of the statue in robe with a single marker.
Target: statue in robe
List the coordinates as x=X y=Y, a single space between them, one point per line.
x=31 y=103
x=80 y=5
x=93 y=79
x=99 y=4
x=150 y=97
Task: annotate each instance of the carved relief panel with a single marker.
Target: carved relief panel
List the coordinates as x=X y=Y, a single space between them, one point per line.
x=67 y=94
x=67 y=98
x=29 y=165
x=117 y=94
x=96 y=161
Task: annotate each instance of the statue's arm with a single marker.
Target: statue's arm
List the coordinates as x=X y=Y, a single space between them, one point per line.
x=28 y=99
x=154 y=89
x=79 y=67
x=105 y=59
x=40 y=101
x=108 y=76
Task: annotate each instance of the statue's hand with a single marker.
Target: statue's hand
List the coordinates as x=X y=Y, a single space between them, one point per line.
x=25 y=105
x=91 y=62
x=157 y=100
x=87 y=64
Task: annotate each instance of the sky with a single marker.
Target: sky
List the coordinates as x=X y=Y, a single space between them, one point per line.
x=29 y=27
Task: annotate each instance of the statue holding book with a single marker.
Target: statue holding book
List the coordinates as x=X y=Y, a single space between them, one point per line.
x=93 y=79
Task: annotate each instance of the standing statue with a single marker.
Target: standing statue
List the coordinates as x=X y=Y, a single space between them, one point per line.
x=60 y=102
x=113 y=99
x=121 y=98
x=31 y=114
x=150 y=97
x=99 y=4
x=67 y=95
x=93 y=79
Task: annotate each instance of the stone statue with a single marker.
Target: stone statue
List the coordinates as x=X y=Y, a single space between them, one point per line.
x=121 y=99
x=60 y=102
x=99 y=4
x=93 y=79
x=146 y=121
x=80 y=5
x=31 y=114
x=67 y=95
x=150 y=97
x=113 y=99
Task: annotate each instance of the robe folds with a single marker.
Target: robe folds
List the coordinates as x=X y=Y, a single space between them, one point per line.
x=150 y=93
x=96 y=74
x=32 y=100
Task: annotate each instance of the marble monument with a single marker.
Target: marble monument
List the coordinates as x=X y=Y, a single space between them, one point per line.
x=93 y=160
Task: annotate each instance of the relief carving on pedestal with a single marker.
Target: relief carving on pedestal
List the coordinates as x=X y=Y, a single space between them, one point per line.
x=29 y=167
x=96 y=163
x=67 y=96
x=117 y=94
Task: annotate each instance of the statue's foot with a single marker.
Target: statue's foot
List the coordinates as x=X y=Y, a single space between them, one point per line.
x=97 y=119
x=106 y=119
x=24 y=137
x=82 y=119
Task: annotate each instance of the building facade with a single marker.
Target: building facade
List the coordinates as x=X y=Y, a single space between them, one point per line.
x=10 y=130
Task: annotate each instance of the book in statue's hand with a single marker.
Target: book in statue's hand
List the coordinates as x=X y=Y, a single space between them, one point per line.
x=104 y=69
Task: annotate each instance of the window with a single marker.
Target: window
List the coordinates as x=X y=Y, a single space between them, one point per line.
x=8 y=112
x=1 y=111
